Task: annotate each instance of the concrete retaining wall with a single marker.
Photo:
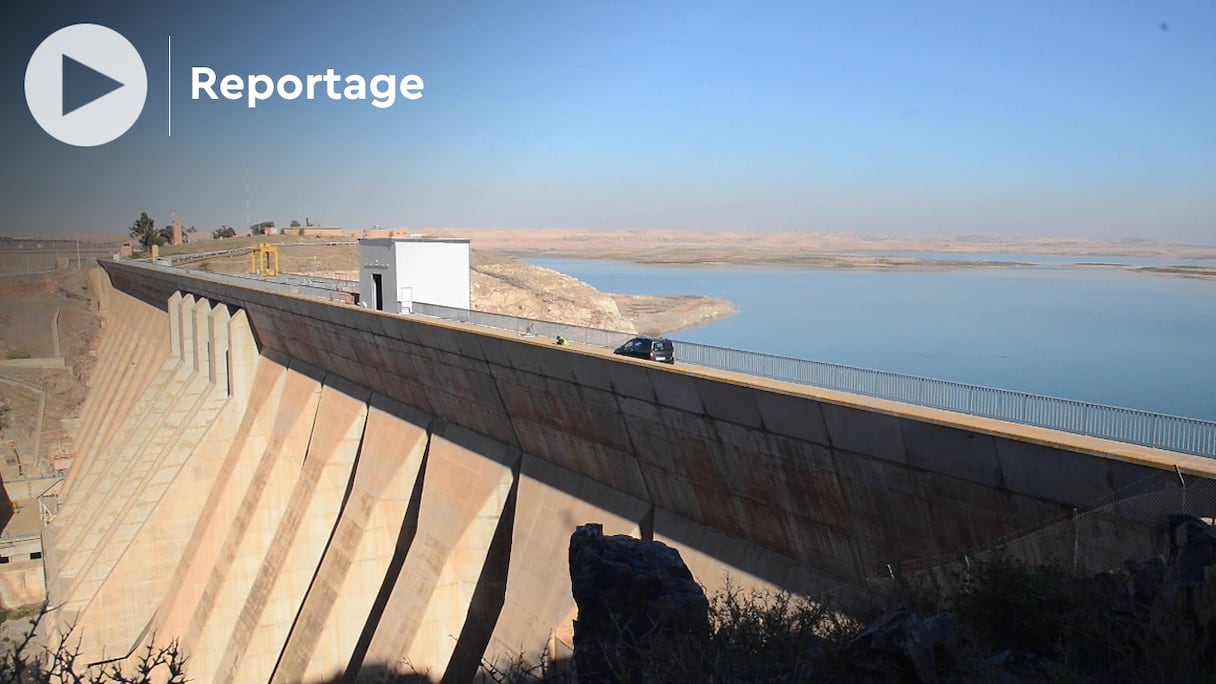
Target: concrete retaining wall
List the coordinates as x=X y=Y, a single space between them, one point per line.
x=22 y=583
x=397 y=492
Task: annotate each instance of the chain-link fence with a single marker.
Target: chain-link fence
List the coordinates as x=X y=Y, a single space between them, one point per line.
x=1128 y=525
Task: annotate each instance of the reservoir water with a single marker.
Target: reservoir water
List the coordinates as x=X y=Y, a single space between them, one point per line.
x=1100 y=335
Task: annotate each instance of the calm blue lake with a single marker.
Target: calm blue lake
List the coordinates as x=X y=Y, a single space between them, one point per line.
x=1092 y=334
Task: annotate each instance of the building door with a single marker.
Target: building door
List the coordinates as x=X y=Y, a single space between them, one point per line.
x=405 y=300
x=378 y=286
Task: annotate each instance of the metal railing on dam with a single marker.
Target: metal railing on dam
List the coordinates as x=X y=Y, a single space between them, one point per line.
x=287 y=283
x=595 y=337
x=1161 y=431
x=1133 y=426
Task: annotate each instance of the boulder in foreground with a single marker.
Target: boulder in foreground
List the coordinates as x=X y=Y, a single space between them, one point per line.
x=639 y=608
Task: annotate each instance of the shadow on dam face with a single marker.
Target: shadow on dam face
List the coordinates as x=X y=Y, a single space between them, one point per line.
x=298 y=488
x=409 y=528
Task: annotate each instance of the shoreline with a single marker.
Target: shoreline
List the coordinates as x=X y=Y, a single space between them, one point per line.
x=821 y=262
x=806 y=250
x=658 y=316
x=571 y=242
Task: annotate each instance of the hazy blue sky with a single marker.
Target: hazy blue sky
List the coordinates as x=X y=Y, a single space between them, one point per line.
x=1086 y=118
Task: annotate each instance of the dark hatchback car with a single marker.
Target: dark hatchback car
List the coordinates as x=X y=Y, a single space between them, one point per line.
x=649 y=348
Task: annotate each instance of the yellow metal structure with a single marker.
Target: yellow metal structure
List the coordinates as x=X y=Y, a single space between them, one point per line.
x=264 y=260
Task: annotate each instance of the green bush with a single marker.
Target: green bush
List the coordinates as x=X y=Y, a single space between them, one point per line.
x=771 y=637
x=1078 y=628
x=755 y=636
x=1015 y=605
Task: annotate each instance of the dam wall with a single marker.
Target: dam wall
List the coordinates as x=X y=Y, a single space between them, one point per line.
x=296 y=489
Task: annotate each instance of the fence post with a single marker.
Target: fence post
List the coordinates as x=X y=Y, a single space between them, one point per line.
x=1182 y=481
x=1076 y=539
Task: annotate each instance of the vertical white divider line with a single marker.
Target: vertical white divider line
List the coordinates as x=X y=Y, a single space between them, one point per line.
x=170 y=86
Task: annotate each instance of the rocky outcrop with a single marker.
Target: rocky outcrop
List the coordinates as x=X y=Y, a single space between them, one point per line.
x=641 y=615
x=1181 y=596
x=516 y=288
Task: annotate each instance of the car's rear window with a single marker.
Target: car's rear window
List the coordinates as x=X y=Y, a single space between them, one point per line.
x=662 y=345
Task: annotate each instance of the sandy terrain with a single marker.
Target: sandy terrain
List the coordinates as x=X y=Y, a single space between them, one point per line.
x=38 y=256
x=824 y=251
x=507 y=286
x=1177 y=271
x=44 y=318
x=676 y=247
x=28 y=307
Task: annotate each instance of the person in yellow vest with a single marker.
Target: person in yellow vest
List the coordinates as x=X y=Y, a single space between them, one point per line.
x=562 y=342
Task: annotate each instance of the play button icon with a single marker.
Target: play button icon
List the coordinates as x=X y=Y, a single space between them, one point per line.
x=82 y=85
x=85 y=85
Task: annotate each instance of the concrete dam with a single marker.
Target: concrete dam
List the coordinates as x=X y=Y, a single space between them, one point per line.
x=301 y=491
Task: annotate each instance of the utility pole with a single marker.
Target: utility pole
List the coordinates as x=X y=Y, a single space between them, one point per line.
x=79 y=266
x=247 y=215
